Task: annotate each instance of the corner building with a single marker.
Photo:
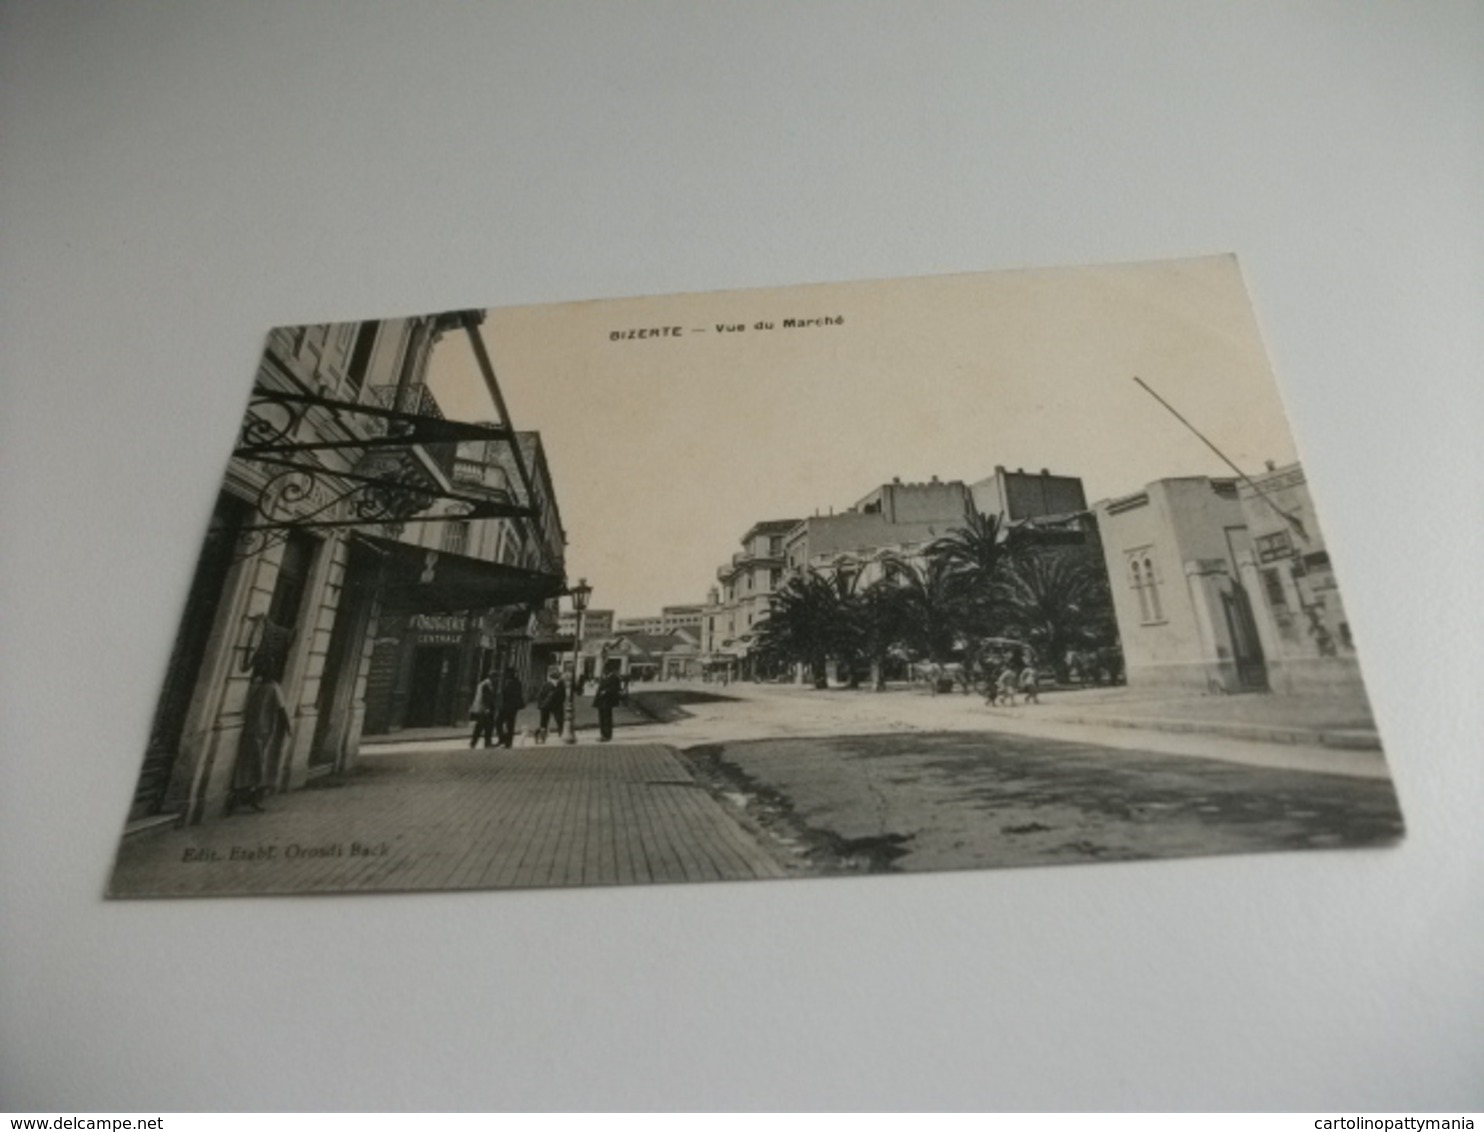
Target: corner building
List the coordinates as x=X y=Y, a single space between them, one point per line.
x=342 y=451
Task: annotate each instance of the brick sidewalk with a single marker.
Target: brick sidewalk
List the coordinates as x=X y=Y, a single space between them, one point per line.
x=624 y=715
x=415 y=821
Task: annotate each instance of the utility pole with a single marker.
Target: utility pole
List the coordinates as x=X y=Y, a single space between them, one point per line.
x=1292 y=520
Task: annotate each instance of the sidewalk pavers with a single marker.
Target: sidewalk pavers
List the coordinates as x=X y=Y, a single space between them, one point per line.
x=586 y=723
x=414 y=821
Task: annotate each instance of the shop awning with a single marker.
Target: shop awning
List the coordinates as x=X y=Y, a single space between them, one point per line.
x=416 y=579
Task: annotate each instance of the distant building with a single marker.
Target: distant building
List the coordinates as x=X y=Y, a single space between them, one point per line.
x=673 y=617
x=595 y=623
x=682 y=660
x=731 y=617
x=894 y=520
x=1022 y=495
x=639 y=625
x=935 y=501
x=900 y=520
x=1301 y=617
x=645 y=656
x=1174 y=552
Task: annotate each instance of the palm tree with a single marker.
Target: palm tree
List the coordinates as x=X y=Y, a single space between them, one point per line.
x=879 y=616
x=974 y=557
x=807 y=624
x=930 y=607
x=1058 y=601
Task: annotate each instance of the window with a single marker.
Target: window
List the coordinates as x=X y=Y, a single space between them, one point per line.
x=1146 y=586
x=775 y=546
x=1138 y=579
x=1152 y=585
x=456 y=538
x=1273 y=586
x=1270 y=548
x=775 y=578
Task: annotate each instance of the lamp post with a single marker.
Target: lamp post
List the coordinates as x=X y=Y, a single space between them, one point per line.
x=579 y=595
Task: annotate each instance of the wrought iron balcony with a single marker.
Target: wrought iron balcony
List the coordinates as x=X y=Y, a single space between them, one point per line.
x=416 y=399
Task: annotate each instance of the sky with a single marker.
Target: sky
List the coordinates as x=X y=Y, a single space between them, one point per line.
x=664 y=449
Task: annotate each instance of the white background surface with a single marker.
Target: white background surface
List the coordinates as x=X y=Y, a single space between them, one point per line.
x=177 y=177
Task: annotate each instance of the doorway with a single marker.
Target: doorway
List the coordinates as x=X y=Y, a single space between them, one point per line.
x=1252 y=669
x=432 y=672
x=335 y=702
x=183 y=676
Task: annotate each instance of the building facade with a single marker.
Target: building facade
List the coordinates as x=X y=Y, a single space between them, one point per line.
x=676 y=617
x=426 y=665
x=341 y=449
x=895 y=520
x=1301 y=616
x=737 y=606
x=1022 y=495
x=595 y=623
x=670 y=618
x=639 y=625
x=1174 y=553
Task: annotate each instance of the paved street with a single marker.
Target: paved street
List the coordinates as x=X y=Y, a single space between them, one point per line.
x=531 y=817
x=913 y=802
x=718 y=783
x=687 y=714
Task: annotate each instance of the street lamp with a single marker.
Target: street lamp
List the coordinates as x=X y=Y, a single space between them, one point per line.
x=579 y=595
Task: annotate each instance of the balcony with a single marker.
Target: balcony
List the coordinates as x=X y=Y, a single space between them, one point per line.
x=474 y=468
x=417 y=399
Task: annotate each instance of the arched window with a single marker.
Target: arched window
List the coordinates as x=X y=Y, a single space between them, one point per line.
x=1138 y=579
x=1149 y=583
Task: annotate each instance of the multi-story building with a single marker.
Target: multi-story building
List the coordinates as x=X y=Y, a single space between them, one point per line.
x=671 y=617
x=675 y=617
x=730 y=619
x=596 y=623
x=425 y=666
x=342 y=452
x=639 y=625
x=1020 y=495
x=894 y=521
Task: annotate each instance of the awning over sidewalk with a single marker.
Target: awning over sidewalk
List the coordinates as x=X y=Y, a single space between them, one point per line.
x=416 y=579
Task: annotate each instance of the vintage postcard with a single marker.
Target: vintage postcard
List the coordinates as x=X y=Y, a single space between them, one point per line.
x=959 y=572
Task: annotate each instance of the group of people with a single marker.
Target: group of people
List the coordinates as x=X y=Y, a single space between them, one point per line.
x=1001 y=687
x=498 y=700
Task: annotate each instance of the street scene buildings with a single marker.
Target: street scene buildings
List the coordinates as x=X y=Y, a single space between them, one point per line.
x=1141 y=653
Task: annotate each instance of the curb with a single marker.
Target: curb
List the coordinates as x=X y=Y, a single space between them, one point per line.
x=1356 y=739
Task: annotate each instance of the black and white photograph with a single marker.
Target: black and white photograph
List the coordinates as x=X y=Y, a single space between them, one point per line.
x=957 y=572
x=470 y=470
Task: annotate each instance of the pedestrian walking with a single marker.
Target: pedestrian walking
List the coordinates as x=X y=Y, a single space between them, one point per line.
x=1006 y=686
x=551 y=702
x=265 y=724
x=605 y=699
x=1030 y=684
x=991 y=678
x=509 y=699
x=482 y=711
